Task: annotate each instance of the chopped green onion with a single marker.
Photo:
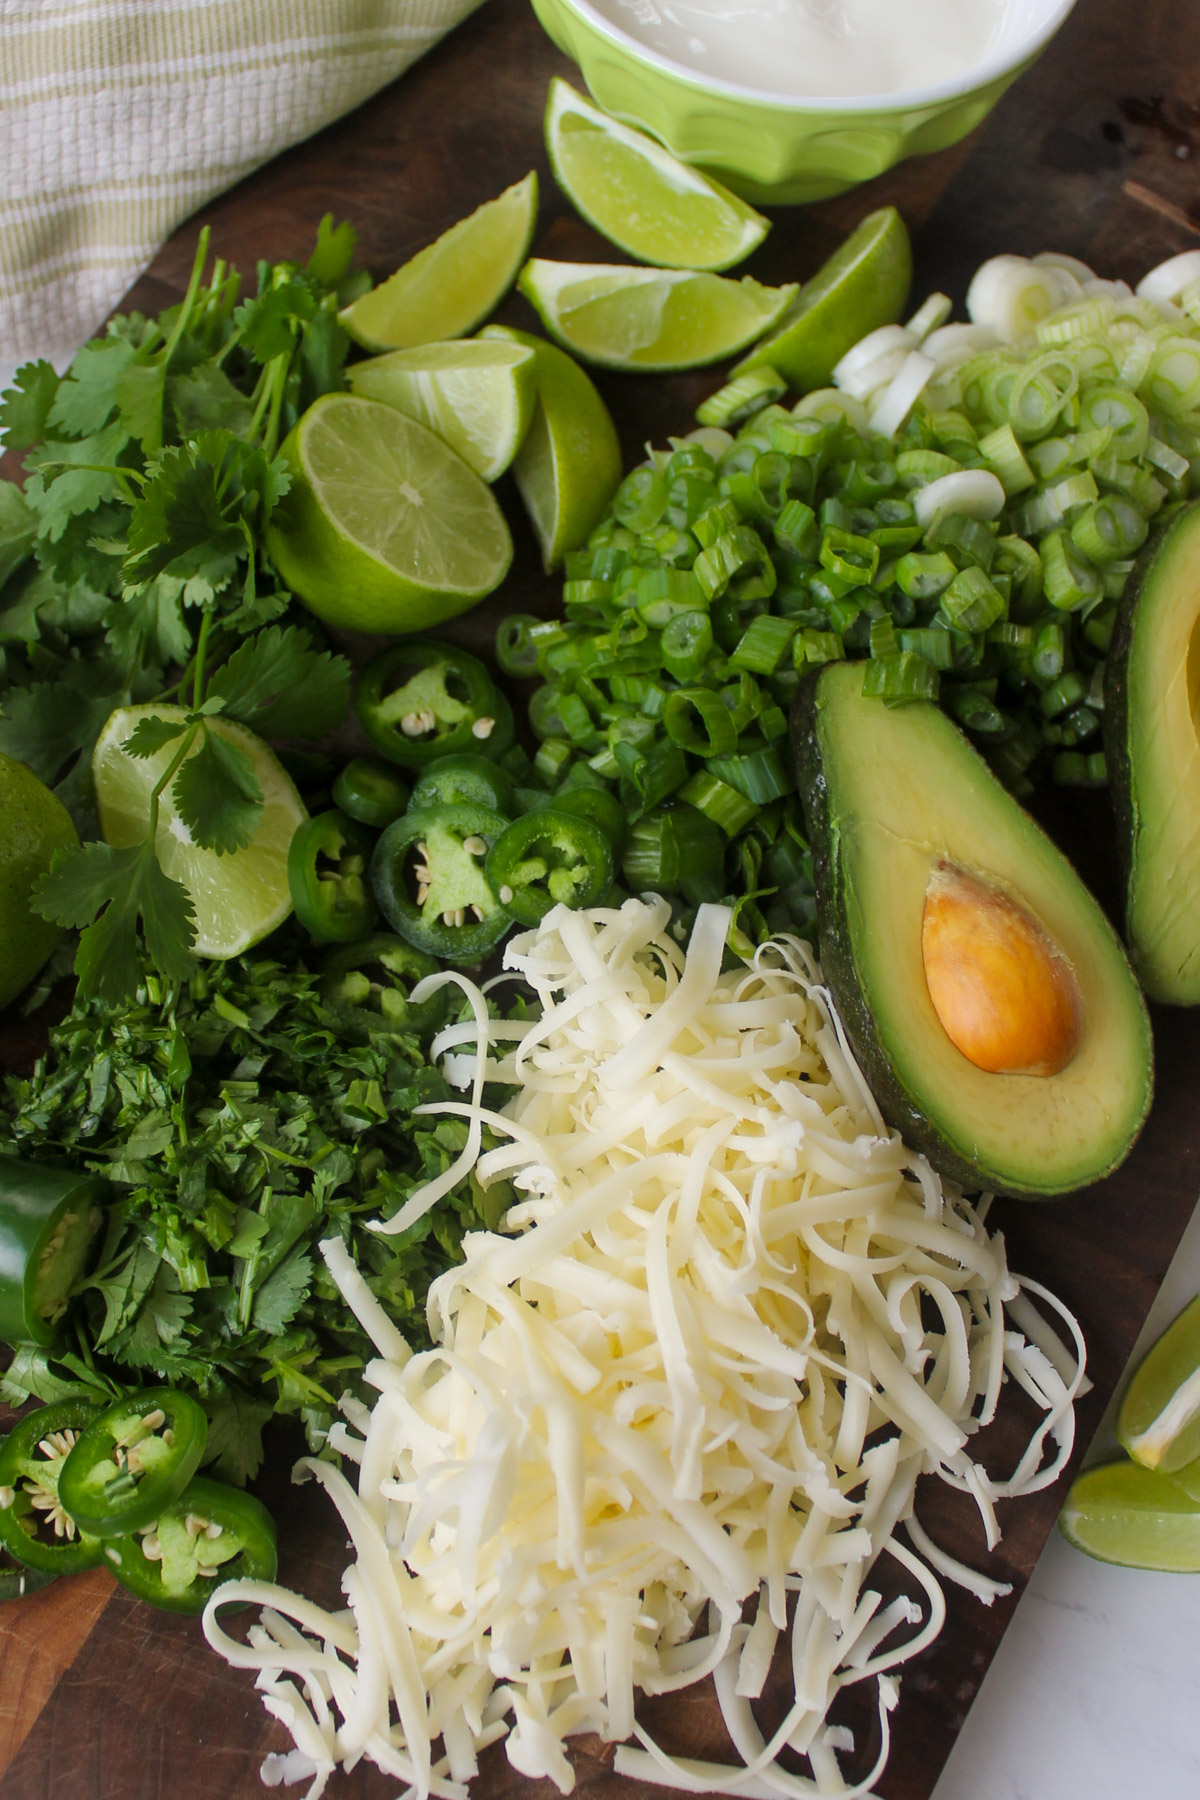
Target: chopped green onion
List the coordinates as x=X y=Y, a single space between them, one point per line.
x=1068 y=580
x=551 y=760
x=760 y=775
x=723 y=804
x=516 y=646
x=924 y=577
x=1005 y=458
x=901 y=678
x=853 y=559
x=764 y=645
x=812 y=647
x=687 y=643
x=796 y=530
x=1066 y=692
x=972 y=602
x=697 y=720
x=1109 y=531
x=744 y=395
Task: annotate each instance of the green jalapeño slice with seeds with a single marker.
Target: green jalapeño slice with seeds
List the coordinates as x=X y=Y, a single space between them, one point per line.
x=35 y=1526
x=420 y=699
x=210 y=1534
x=429 y=880
x=132 y=1461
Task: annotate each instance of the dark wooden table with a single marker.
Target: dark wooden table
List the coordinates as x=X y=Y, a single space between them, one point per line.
x=1091 y=153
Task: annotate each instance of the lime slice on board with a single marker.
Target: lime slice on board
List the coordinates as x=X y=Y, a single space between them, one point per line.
x=478 y=397
x=238 y=898
x=1122 y=1513
x=384 y=529
x=863 y=285
x=450 y=286
x=570 y=463
x=652 y=319
x=1159 y=1417
x=641 y=197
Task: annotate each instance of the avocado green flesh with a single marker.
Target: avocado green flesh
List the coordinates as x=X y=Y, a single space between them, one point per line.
x=1160 y=761
x=904 y=791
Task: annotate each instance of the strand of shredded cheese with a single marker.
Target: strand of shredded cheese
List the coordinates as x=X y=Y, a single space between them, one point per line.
x=674 y=1422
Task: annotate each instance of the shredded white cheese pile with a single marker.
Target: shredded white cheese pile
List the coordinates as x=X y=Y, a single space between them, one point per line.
x=680 y=1414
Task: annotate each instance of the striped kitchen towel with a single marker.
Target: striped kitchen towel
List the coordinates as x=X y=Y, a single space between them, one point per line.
x=118 y=118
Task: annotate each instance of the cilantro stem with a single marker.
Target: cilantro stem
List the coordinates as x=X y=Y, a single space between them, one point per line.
x=164 y=781
x=184 y=315
x=262 y=399
x=198 y=661
x=271 y=435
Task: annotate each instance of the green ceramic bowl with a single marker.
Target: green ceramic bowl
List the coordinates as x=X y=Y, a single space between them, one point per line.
x=777 y=148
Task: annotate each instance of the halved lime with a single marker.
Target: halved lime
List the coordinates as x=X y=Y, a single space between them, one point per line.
x=451 y=285
x=238 y=898
x=640 y=196
x=478 y=397
x=650 y=318
x=384 y=528
x=570 y=463
x=1122 y=1513
x=863 y=285
x=1159 y=1417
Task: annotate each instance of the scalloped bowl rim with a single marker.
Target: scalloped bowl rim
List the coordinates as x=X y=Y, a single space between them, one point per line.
x=981 y=76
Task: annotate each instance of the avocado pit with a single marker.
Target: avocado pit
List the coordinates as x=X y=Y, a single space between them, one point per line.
x=1004 y=993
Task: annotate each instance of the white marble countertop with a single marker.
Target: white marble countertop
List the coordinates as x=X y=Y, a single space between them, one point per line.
x=1094 y=1693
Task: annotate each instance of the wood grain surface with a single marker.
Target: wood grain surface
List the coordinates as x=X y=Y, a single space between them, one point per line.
x=1091 y=153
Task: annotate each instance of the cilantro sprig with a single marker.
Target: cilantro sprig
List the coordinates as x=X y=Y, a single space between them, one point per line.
x=153 y=471
x=276 y=681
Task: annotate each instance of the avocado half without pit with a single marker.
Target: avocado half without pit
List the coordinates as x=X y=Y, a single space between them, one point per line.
x=1151 y=746
x=985 y=995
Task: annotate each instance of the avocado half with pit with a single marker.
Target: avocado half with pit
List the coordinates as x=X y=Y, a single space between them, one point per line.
x=985 y=995
x=1151 y=707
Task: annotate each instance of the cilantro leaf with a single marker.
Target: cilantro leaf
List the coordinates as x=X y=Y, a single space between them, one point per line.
x=145 y=627
x=47 y=724
x=105 y=891
x=77 y=554
x=268 y=324
x=140 y=394
x=151 y=735
x=282 y=686
x=29 y=1376
x=18 y=528
x=87 y=396
x=192 y=518
x=57 y=494
x=281 y=1296
x=217 y=795
x=323 y=351
x=234 y=1444
x=205 y=399
x=330 y=261
x=25 y=406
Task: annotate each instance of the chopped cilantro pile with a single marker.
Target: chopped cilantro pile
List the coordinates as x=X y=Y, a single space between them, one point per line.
x=240 y=1122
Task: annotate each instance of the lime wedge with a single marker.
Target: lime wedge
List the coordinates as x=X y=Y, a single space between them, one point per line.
x=570 y=463
x=238 y=898
x=1159 y=1418
x=1122 y=1513
x=447 y=288
x=863 y=285
x=384 y=528
x=478 y=397
x=641 y=197
x=650 y=318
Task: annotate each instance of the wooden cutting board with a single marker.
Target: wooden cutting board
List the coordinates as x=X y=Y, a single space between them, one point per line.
x=1092 y=154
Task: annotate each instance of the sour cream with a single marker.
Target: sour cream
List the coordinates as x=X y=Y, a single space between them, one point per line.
x=811 y=48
